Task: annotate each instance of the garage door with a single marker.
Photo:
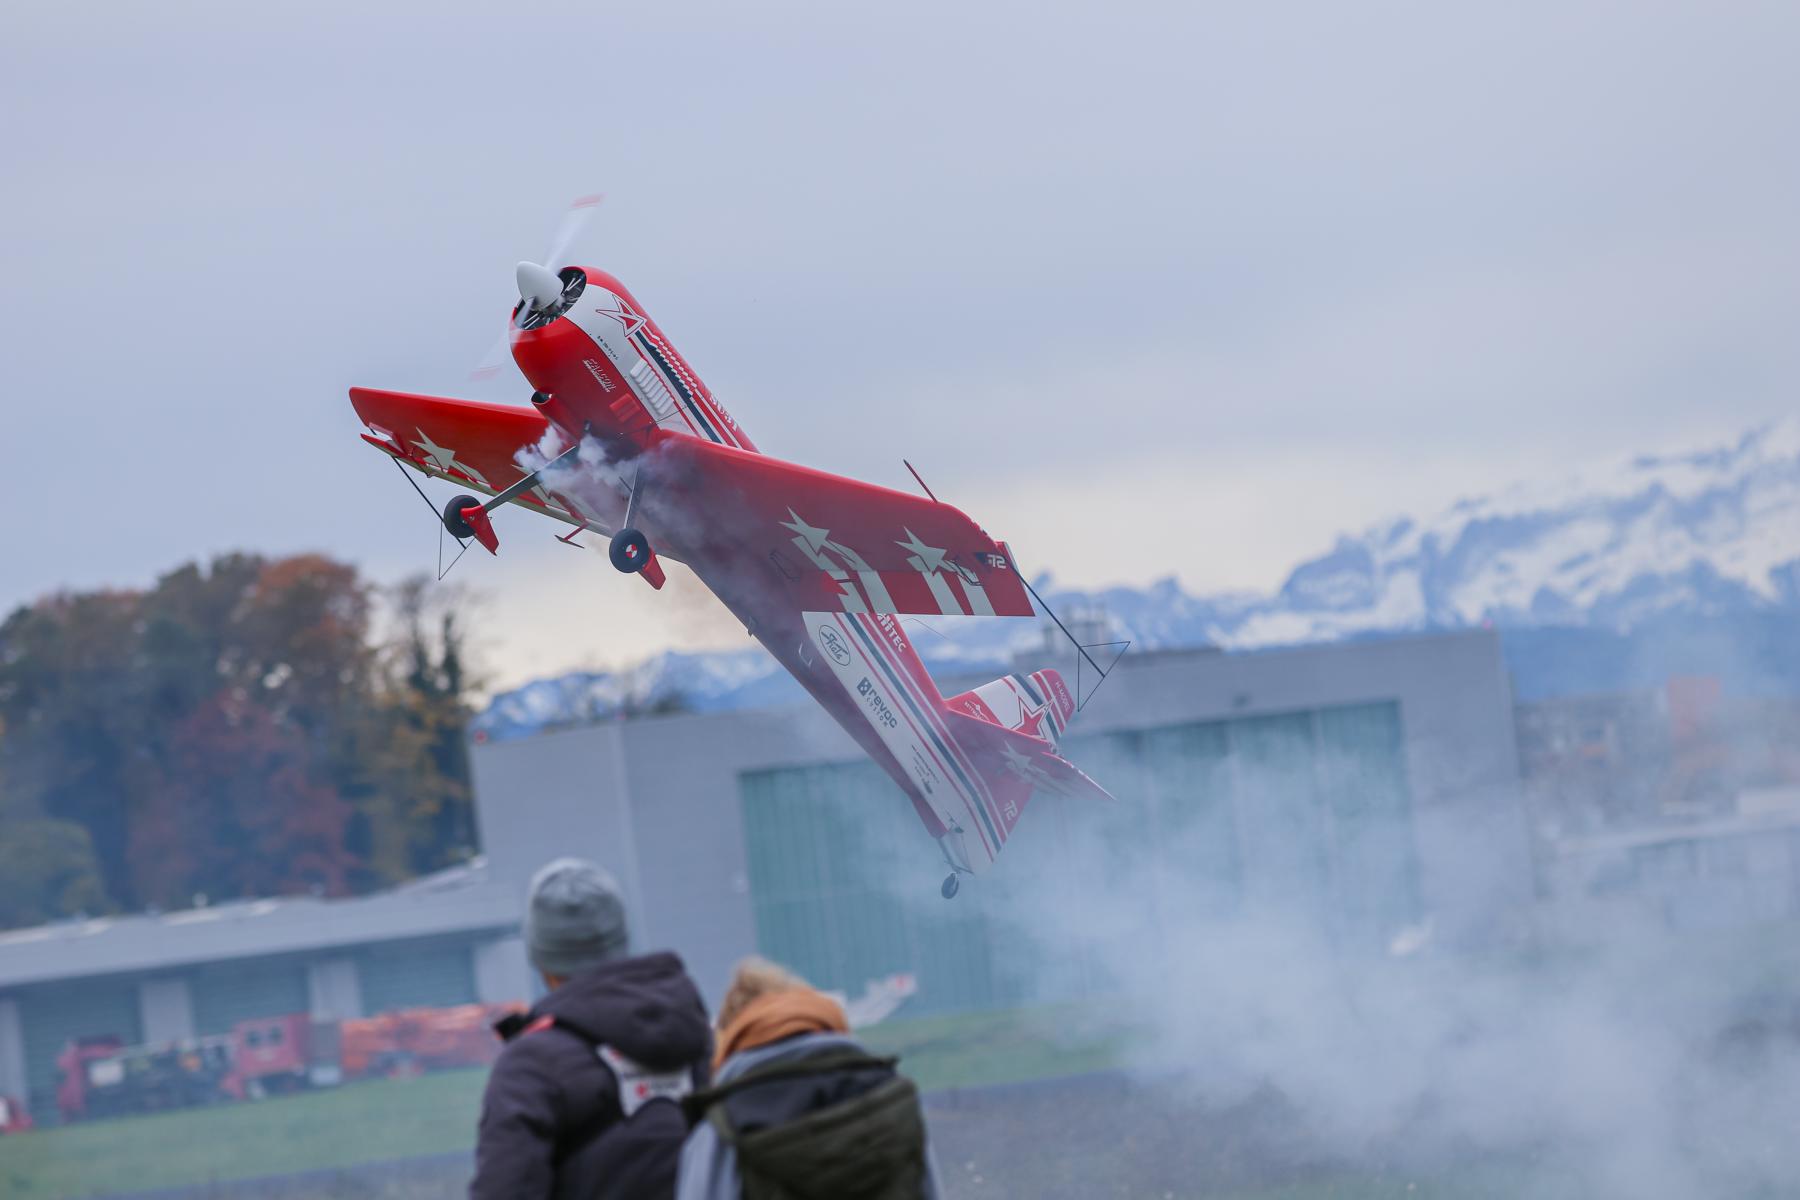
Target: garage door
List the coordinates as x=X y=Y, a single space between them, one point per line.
x=54 y=1016
x=416 y=975
x=231 y=992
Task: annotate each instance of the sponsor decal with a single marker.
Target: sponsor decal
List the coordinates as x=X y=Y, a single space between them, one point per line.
x=924 y=772
x=834 y=646
x=877 y=706
x=892 y=629
x=599 y=375
x=624 y=314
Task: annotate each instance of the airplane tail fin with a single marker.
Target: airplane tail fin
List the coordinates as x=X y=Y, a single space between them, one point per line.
x=1039 y=704
x=1008 y=731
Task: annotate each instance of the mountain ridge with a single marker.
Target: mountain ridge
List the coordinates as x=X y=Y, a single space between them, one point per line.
x=1644 y=541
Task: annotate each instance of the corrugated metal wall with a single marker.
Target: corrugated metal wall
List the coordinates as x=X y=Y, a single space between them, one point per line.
x=416 y=975
x=1308 y=811
x=231 y=992
x=829 y=850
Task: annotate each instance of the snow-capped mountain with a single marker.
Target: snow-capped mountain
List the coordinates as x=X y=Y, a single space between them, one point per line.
x=1709 y=534
x=1705 y=533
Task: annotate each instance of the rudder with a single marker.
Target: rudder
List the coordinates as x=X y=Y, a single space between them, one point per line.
x=1039 y=704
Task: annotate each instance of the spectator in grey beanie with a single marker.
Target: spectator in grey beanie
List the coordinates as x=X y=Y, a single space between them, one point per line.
x=585 y=1098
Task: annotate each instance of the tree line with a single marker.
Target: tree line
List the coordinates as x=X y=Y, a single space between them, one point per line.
x=239 y=729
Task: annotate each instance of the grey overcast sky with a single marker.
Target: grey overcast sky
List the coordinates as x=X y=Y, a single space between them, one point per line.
x=1148 y=289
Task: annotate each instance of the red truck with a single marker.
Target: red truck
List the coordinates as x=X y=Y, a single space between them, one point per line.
x=286 y=1054
x=267 y=1056
x=102 y=1078
x=277 y=1055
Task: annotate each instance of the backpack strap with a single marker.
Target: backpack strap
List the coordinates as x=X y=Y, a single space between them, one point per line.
x=836 y=1058
x=634 y=1084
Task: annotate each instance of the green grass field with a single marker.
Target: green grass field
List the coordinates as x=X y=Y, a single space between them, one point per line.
x=361 y=1123
x=435 y=1114
x=389 y=1120
x=1002 y=1047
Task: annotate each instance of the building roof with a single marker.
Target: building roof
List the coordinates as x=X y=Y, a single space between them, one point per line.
x=460 y=900
x=1731 y=825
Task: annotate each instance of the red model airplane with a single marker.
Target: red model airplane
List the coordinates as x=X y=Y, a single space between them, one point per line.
x=623 y=439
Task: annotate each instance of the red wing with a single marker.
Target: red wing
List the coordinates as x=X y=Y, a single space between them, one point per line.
x=839 y=544
x=467 y=442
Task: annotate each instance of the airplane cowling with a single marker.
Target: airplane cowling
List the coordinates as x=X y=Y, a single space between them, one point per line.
x=560 y=359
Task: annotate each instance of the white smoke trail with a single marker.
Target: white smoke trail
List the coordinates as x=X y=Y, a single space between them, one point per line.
x=1603 y=1065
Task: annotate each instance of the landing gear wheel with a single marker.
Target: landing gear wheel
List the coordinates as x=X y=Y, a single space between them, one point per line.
x=453 y=521
x=951 y=883
x=630 y=551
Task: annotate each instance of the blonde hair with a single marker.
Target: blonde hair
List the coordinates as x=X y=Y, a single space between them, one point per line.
x=754 y=978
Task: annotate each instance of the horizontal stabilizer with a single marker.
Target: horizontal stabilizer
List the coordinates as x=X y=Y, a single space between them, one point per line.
x=1015 y=764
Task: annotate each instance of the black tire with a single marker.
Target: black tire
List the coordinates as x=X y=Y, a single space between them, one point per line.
x=952 y=883
x=453 y=521
x=630 y=551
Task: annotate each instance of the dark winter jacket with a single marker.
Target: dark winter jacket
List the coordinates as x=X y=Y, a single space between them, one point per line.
x=584 y=1099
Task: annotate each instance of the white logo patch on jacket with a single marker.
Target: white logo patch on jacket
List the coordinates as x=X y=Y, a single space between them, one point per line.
x=638 y=1085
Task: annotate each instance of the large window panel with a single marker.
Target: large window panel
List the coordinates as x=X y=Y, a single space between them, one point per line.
x=1305 y=813
x=1196 y=834
x=1287 y=865
x=1362 y=773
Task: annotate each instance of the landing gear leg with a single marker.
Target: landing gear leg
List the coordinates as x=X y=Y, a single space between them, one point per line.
x=630 y=549
x=955 y=857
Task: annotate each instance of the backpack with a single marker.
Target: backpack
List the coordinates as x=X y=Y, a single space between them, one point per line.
x=645 y=1137
x=868 y=1146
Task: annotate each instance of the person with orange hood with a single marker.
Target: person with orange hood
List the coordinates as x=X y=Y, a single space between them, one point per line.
x=798 y=1109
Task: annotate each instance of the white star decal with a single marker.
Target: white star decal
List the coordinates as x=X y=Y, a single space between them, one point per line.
x=444 y=458
x=1031 y=720
x=812 y=535
x=1021 y=764
x=924 y=558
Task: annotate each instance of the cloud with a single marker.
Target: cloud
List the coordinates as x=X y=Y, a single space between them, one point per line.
x=1059 y=245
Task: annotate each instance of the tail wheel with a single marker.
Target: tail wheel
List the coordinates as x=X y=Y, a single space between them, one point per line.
x=952 y=883
x=630 y=551
x=453 y=520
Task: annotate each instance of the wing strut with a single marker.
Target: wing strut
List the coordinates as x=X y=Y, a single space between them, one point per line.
x=527 y=482
x=436 y=519
x=474 y=517
x=1081 y=648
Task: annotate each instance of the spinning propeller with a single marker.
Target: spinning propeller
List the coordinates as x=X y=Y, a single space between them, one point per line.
x=543 y=292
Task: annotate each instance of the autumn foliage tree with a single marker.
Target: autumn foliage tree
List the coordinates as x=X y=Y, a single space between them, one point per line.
x=236 y=730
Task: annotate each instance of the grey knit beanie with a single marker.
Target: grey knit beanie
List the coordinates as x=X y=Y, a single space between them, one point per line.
x=574 y=918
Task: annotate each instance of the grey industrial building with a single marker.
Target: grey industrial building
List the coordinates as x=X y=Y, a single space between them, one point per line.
x=1372 y=785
